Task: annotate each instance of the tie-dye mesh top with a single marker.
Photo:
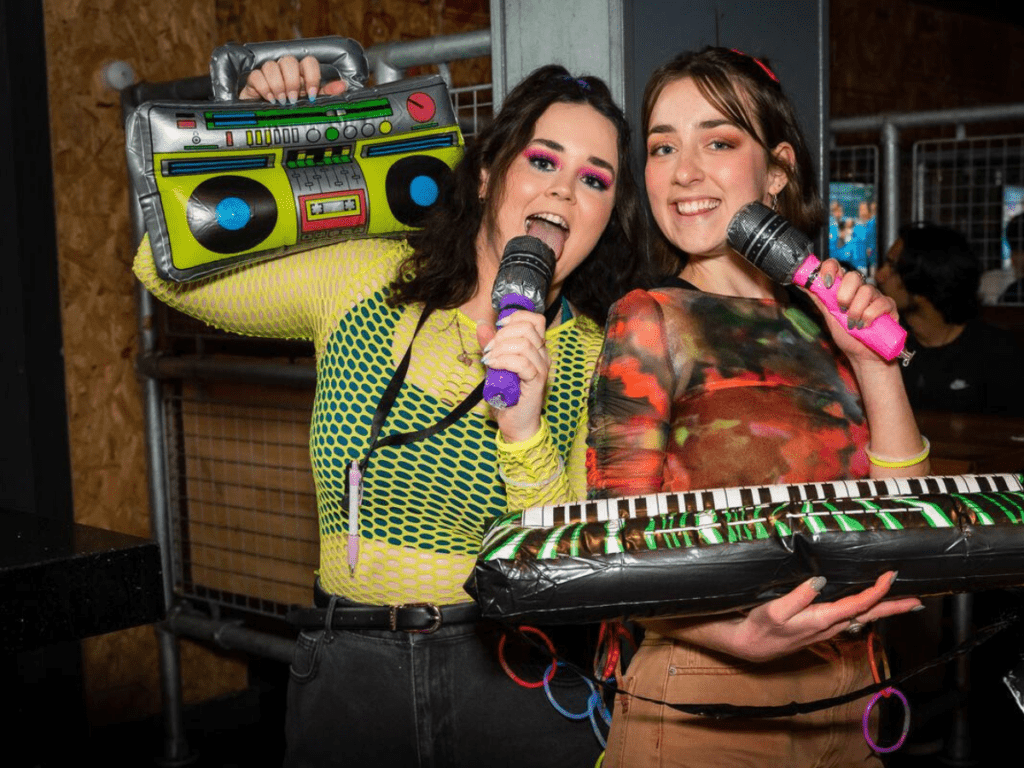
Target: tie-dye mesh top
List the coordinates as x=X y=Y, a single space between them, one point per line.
x=425 y=504
x=696 y=390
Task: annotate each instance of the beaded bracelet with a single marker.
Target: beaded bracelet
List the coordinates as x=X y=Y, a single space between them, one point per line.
x=878 y=461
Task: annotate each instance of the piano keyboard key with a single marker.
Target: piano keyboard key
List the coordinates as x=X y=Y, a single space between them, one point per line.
x=604 y=510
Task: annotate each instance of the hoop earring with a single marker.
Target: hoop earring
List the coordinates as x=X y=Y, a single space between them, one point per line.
x=775 y=201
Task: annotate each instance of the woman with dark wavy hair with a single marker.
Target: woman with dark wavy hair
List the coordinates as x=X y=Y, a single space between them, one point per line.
x=722 y=378
x=394 y=667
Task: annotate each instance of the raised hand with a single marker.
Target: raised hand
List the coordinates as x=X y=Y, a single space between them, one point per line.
x=287 y=79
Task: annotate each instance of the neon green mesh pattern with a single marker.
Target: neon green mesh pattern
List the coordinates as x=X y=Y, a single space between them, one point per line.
x=424 y=505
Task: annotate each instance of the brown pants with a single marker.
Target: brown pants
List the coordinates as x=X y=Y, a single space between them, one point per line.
x=646 y=735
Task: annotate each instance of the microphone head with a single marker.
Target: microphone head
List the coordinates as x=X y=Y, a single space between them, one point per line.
x=526 y=269
x=768 y=241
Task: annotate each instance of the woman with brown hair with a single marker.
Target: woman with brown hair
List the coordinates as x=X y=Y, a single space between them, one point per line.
x=722 y=378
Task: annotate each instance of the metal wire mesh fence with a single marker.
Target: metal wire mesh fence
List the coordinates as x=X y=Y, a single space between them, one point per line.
x=242 y=500
x=973 y=185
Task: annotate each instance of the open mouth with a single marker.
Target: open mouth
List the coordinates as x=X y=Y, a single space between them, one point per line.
x=551 y=229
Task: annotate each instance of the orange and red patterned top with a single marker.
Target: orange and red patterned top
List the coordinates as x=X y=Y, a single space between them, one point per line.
x=696 y=390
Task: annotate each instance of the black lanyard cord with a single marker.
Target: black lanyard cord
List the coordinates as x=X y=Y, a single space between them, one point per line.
x=387 y=400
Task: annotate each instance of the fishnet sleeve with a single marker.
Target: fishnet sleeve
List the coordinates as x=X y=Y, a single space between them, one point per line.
x=535 y=474
x=288 y=298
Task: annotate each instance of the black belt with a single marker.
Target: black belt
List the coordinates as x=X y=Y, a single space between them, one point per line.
x=411 y=617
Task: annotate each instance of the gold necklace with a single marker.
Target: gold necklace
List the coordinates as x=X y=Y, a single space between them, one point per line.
x=465 y=357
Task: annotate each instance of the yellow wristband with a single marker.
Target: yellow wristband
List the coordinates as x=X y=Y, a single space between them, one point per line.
x=878 y=461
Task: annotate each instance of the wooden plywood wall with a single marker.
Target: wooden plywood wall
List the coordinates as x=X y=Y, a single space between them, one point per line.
x=161 y=40
x=902 y=56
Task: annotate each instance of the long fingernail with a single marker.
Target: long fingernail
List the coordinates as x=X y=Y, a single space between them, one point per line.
x=817 y=583
x=311 y=93
x=917 y=609
x=850 y=323
x=828 y=280
x=892 y=579
x=489 y=347
x=486 y=359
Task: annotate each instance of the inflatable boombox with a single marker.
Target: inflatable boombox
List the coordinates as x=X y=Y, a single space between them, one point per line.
x=227 y=182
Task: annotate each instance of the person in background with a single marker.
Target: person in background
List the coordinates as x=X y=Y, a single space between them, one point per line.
x=723 y=378
x=961 y=363
x=1014 y=293
x=394 y=666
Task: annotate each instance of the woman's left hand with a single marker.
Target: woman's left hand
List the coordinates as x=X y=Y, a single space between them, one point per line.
x=863 y=302
x=519 y=347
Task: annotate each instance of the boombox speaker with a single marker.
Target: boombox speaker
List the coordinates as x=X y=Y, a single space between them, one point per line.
x=227 y=182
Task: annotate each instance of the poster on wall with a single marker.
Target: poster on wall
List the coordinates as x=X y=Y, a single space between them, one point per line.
x=852 y=231
x=1012 y=245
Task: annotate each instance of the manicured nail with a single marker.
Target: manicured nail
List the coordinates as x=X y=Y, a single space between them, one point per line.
x=917 y=609
x=817 y=583
x=828 y=280
x=489 y=347
x=501 y=322
x=486 y=359
x=293 y=97
x=892 y=580
x=311 y=92
x=849 y=323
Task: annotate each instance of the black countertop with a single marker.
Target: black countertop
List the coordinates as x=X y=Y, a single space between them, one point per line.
x=65 y=582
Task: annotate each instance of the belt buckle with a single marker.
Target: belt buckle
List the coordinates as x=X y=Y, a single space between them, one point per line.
x=435 y=614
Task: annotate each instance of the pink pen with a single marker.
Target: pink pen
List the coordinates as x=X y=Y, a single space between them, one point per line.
x=355 y=497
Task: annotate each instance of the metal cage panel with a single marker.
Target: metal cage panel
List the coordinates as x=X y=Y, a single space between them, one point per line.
x=966 y=184
x=242 y=501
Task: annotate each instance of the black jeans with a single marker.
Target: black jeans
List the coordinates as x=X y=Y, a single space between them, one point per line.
x=441 y=700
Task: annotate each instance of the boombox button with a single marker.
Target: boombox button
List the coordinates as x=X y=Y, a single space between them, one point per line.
x=385 y=127
x=312 y=135
x=350 y=131
x=331 y=134
x=368 y=129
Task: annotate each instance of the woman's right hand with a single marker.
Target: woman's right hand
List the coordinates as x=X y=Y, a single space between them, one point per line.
x=519 y=347
x=788 y=623
x=287 y=79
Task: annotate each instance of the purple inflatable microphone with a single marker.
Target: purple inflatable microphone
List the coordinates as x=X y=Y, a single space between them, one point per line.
x=522 y=282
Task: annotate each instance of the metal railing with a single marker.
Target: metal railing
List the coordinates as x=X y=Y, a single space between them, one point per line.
x=889 y=127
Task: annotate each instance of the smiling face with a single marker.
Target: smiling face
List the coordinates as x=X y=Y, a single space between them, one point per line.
x=566 y=176
x=702 y=168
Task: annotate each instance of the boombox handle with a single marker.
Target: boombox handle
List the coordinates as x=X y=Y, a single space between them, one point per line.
x=340 y=59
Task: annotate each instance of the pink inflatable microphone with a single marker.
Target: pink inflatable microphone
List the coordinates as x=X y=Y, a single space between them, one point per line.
x=777 y=248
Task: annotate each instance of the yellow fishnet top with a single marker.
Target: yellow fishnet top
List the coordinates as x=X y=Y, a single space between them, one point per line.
x=425 y=504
